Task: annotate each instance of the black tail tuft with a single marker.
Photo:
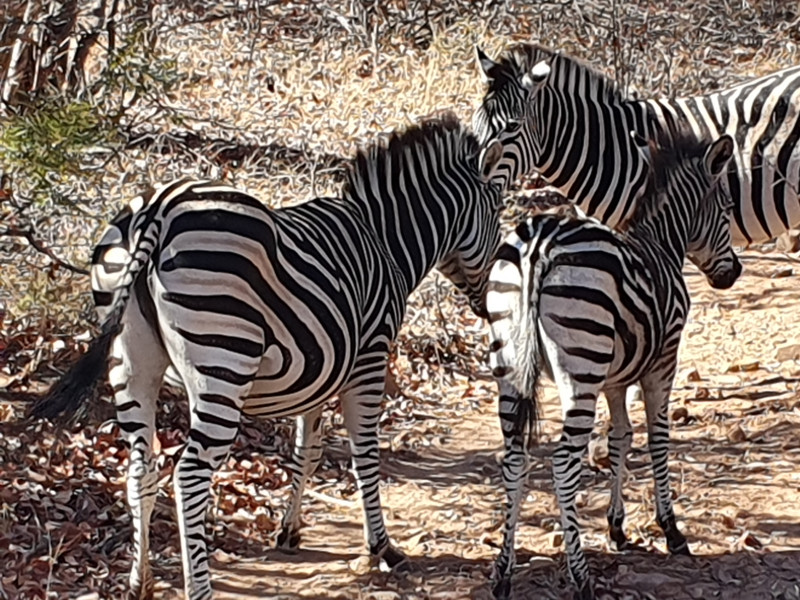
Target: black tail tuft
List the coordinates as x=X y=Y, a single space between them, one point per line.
x=77 y=386
x=527 y=420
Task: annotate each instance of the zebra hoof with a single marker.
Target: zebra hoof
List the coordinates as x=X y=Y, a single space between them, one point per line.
x=501 y=590
x=288 y=540
x=680 y=550
x=393 y=558
x=586 y=592
x=619 y=540
x=389 y=558
x=676 y=543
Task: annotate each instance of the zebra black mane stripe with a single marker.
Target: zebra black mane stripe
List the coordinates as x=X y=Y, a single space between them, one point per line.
x=444 y=134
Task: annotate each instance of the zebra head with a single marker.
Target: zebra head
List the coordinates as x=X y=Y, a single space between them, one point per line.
x=694 y=189
x=710 y=238
x=507 y=114
x=512 y=85
x=469 y=265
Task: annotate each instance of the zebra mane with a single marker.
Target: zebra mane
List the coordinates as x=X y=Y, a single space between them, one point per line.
x=669 y=149
x=519 y=58
x=445 y=137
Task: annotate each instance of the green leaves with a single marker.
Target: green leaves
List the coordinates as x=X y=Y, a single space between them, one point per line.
x=45 y=145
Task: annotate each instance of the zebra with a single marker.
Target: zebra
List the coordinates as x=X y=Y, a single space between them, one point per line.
x=576 y=135
x=272 y=312
x=599 y=310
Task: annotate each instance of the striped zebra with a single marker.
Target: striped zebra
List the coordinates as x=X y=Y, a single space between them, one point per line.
x=600 y=310
x=272 y=312
x=577 y=138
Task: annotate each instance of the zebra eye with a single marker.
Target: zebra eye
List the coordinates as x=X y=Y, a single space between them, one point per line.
x=513 y=126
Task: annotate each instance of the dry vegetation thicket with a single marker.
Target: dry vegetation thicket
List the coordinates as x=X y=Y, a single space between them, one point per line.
x=274 y=96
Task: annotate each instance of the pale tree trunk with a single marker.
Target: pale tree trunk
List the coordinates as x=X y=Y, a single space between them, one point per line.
x=45 y=45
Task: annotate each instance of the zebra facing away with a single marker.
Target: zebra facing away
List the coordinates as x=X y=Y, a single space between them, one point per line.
x=272 y=312
x=600 y=310
x=576 y=128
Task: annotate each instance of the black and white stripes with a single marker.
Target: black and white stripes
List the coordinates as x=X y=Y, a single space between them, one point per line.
x=272 y=312
x=577 y=126
x=599 y=311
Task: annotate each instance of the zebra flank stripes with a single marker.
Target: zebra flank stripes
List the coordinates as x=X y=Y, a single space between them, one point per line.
x=577 y=126
x=273 y=312
x=600 y=310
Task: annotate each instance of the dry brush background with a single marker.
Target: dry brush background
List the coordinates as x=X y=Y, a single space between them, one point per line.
x=274 y=96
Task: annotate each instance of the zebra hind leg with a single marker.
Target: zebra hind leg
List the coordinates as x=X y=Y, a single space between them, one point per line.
x=305 y=459
x=619 y=443
x=656 y=390
x=215 y=402
x=361 y=408
x=578 y=406
x=515 y=462
x=135 y=376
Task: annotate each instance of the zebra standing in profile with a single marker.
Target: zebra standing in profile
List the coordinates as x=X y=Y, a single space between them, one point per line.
x=600 y=310
x=272 y=312
x=576 y=135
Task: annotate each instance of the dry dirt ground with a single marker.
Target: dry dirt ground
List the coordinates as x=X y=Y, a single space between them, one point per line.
x=735 y=465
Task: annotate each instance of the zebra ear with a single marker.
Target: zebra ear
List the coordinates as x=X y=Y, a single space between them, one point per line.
x=489 y=158
x=535 y=78
x=718 y=155
x=643 y=147
x=486 y=64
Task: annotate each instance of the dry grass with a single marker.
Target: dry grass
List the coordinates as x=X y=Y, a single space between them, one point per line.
x=312 y=81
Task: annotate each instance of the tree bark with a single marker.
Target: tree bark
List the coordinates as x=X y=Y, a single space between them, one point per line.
x=45 y=46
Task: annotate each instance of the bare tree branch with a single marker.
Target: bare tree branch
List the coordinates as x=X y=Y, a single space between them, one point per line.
x=39 y=246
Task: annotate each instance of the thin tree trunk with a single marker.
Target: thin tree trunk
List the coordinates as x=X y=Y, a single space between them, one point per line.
x=45 y=46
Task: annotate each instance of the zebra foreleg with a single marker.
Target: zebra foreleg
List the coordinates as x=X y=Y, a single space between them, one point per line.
x=578 y=406
x=515 y=463
x=136 y=379
x=619 y=443
x=656 y=390
x=361 y=408
x=305 y=459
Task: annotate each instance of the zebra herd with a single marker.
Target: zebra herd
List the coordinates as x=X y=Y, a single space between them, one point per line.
x=273 y=312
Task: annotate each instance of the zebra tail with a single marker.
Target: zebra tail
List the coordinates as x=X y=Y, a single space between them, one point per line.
x=527 y=371
x=67 y=398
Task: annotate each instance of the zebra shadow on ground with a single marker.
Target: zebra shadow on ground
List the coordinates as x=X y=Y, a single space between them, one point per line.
x=637 y=575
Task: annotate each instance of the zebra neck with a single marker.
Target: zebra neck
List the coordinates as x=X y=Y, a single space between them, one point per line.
x=568 y=142
x=665 y=228
x=414 y=233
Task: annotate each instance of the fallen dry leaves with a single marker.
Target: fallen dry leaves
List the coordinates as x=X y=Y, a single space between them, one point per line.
x=64 y=529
